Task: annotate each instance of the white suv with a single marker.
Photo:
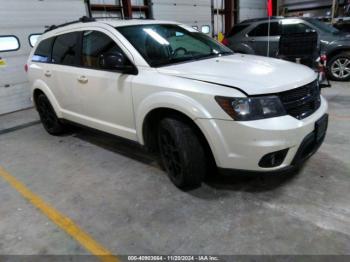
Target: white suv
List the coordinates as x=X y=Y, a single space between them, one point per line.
x=179 y=93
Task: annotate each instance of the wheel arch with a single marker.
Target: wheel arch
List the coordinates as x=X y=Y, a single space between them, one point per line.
x=167 y=101
x=40 y=87
x=150 y=129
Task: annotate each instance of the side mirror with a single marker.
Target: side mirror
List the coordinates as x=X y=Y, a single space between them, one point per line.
x=116 y=61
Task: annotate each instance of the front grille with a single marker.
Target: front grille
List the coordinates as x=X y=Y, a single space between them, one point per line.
x=303 y=101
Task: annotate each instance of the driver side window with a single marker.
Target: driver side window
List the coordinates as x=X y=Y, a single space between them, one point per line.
x=95 y=45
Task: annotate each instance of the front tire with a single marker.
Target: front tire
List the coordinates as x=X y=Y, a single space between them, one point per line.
x=182 y=153
x=48 y=116
x=338 y=67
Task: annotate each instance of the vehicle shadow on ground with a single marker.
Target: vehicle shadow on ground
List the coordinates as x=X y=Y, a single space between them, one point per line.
x=232 y=181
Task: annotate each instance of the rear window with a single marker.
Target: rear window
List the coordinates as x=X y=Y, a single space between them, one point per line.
x=262 y=29
x=43 y=51
x=295 y=28
x=65 y=49
x=9 y=43
x=237 y=29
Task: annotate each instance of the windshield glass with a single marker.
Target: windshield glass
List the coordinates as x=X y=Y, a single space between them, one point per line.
x=323 y=26
x=164 y=44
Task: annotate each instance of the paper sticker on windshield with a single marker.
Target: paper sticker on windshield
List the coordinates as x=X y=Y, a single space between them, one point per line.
x=2 y=63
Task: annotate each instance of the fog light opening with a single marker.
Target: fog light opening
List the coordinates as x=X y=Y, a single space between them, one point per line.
x=273 y=159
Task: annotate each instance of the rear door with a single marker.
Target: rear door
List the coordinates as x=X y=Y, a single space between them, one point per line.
x=261 y=40
x=64 y=71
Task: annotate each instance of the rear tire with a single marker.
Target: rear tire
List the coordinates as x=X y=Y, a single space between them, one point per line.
x=338 y=67
x=182 y=153
x=48 y=117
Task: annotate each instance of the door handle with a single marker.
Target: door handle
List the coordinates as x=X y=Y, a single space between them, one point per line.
x=48 y=73
x=83 y=79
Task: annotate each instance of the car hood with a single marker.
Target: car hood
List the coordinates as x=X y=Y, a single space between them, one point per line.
x=333 y=38
x=253 y=75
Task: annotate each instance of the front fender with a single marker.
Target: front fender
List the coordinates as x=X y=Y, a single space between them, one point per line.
x=40 y=85
x=170 y=100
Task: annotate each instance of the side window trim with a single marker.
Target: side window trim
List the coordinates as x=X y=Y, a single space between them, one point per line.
x=11 y=50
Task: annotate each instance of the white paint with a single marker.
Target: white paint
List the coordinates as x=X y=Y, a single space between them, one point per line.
x=119 y=103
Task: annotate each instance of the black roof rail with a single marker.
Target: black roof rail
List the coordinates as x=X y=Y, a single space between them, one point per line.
x=260 y=19
x=83 y=19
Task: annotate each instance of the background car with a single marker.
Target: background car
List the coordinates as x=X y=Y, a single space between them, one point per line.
x=251 y=37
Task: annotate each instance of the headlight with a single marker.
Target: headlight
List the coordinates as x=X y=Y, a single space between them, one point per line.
x=251 y=108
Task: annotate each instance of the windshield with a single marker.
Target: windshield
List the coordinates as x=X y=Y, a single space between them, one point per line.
x=166 y=44
x=323 y=26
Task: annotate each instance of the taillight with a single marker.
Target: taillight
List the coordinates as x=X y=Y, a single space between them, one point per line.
x=225 y=42
x=26 y=68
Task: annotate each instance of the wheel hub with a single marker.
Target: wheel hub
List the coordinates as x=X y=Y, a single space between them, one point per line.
x=341 y=68
x=171 y=154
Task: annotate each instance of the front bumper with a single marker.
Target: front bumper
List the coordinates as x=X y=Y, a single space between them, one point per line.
x=241 y=145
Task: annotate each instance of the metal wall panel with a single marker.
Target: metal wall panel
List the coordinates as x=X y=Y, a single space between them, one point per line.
x=295 y=5
x=22 y=18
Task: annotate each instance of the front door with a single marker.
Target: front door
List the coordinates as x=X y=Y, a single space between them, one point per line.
x=105 y=96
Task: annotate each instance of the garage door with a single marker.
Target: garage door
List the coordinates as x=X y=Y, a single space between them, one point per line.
x=249 y=9
x=196 y=13
x=21 y=22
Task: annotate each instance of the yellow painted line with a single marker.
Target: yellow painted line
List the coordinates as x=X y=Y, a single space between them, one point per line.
x=60 y=220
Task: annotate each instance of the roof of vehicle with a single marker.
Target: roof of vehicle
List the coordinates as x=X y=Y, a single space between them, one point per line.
x=260 y=19
x=112 y=21
x=249 y=21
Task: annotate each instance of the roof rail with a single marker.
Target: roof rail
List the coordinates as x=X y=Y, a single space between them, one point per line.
x=261 y=19
x=83 y=19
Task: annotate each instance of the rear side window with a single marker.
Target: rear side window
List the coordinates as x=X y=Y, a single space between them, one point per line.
x=96 y=44
x=237 y=29
x=65 y=49
x=9 y=43
x=262 y=29
x=295 y=28
x=43 y=51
